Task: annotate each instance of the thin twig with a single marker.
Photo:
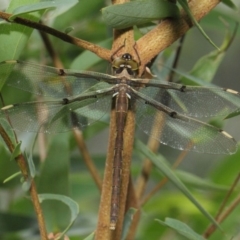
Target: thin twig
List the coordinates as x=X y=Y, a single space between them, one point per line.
x=87 y=158
x=176 y=59
x=223 y=215
x=101 y=52
x=33 y=191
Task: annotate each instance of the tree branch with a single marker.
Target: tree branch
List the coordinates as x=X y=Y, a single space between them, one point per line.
x=99 y=51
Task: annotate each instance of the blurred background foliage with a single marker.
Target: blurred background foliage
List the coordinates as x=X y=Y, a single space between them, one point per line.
x=64 y=172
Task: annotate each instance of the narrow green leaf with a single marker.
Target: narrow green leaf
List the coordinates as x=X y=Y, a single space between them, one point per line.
x=207 y=66
x=90 y=237
x=16 y=152
x=138 y=12
x=43 y=5
x=198 y=182
x=73 y=207
x=230 y=4
x=233 y=114
x=127 y=222
x=173 y=178
x=181 y=228
x=8 y=129
x=184 y=5
x=68 y=30
x=12 y=177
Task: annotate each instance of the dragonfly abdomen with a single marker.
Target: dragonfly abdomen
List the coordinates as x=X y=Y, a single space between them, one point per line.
x=121 y=109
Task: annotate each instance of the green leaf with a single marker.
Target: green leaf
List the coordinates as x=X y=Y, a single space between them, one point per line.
x=90 y=237
x=73 y=207
x=127 y=222
x=54 y=178
x=181 y=228
x=8 y=129
x=198 y=182
x=173 y=178
x=26 y=185
x=233 y=114
x=184 y=5
x=88 y=59
x=191 y=80
x=230 y=4
x=12 y=177
x=16 y=152
x=207 y=66
x=13 y=37
x=43 y=5
x=138 y=12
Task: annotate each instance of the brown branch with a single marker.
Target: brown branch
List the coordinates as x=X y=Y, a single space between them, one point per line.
x=155 y=41
x=103 y=232
x=101 y=52
x=33 y=191
x=169 y=30
x=123 y=42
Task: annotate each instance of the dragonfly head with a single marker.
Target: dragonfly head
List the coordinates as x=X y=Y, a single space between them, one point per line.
x=125 y=62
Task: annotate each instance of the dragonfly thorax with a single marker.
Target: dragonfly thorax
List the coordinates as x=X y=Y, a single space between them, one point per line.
x=125 y=62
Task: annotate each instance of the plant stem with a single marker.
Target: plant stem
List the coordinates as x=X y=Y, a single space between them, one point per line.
x=33 y=191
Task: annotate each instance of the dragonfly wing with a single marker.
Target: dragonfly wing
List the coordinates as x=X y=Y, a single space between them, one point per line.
x=50 y=81
x=194 y=101
x=56 y=116
x=179 y=131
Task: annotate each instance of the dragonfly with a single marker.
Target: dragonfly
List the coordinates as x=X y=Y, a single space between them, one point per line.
x=180 y=110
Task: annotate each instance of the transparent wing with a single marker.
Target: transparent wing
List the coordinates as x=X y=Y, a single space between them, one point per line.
x=55 y=116
x=50 y=81
x=179 y=131
x=194 y=101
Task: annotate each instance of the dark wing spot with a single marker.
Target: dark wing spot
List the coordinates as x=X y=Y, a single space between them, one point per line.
x=65 y=101
x=61 y=72
x=173 y=114
x=183 y=88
